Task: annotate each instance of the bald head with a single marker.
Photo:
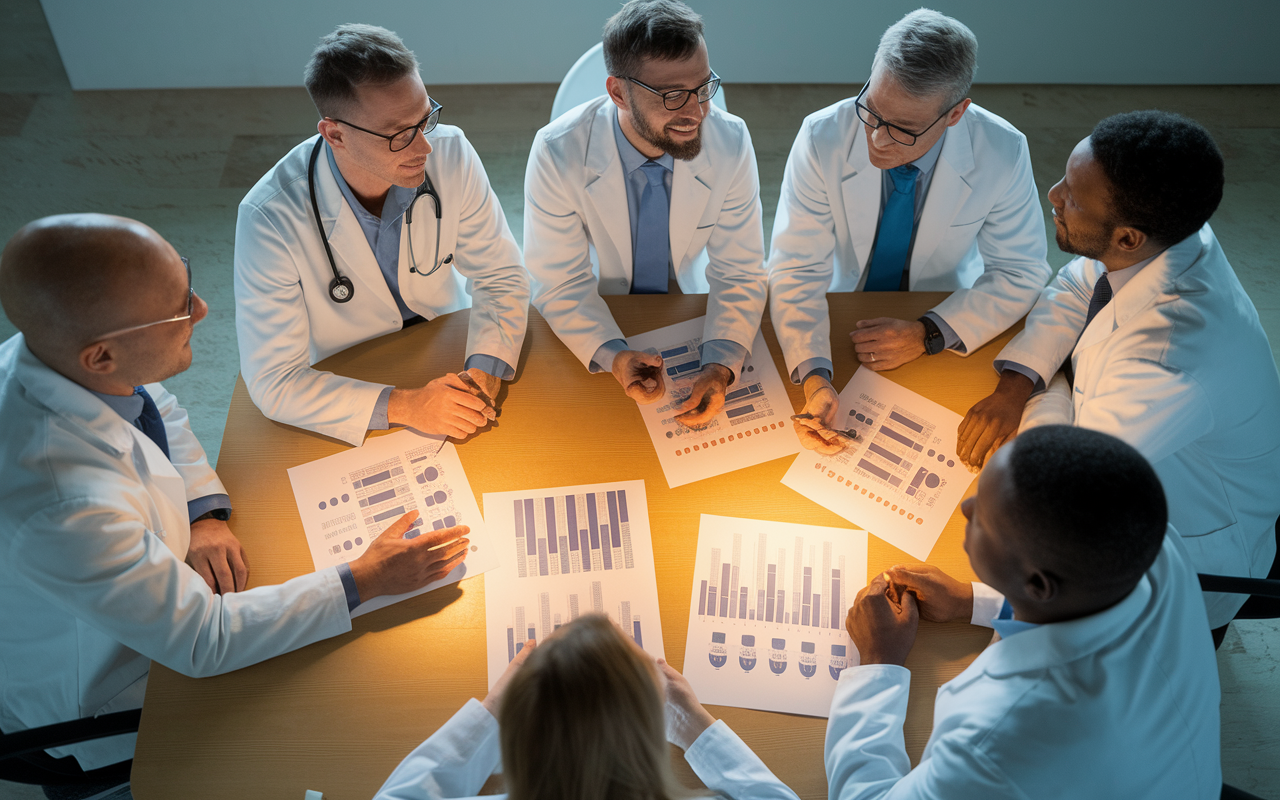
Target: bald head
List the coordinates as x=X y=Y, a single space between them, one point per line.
x=69 y=278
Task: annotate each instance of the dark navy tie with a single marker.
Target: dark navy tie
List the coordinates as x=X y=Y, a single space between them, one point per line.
x=1101 y=296
x=653 y=235
x=894 y=238
x=150 y=421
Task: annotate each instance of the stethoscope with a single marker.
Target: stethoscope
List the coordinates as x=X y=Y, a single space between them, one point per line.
x=340 y=288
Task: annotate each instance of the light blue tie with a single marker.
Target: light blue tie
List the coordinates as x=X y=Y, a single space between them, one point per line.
x=894 y=239
x=653 y=242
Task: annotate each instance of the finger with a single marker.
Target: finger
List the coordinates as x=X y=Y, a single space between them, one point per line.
x=962 y=431
x=865 y=336
x=983 y=443
x=398 y=528
x=873 y=322
x=467 y=399
x=693 y=402
x=239 y=569
x=649 y=359
x=463 y=416
x=441 y=569
x=222 y=571
x=442 y=536
x=448 y=551
x=202 y=569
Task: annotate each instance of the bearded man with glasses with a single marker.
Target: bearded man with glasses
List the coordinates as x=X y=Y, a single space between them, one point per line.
x=908 y=186
x=365 y=229
x=648 y=189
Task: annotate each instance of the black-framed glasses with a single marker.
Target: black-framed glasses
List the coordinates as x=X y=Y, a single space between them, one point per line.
x=191 y=304
x=900 y=135
x=675 y=99
x=402 y=139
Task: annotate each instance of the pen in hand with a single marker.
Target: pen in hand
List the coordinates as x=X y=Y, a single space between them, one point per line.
x=851 y=434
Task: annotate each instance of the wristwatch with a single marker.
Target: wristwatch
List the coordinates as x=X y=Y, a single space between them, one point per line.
x=223 y=514
x=934 y=342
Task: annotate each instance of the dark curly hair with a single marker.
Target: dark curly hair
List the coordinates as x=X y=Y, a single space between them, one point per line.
x=1165 y=172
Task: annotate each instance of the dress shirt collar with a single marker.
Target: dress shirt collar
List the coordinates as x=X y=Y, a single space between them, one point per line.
x=127 y=406
x=1120 y=277
x=398 y=198
x=929 y=160
x=633 y=159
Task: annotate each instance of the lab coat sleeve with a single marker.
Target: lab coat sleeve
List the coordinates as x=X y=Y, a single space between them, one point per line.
x=185 y=452
x=1156 y=409
x=489 y=259
x=1054 y=324
x=453 y=762
x=801 y=258
x=866 y=757
x=94 y=558
x=1011 y=241
x=735 y=251
x=557 y=254
x=1053 y=406
x=728 y=767
x=274 y=336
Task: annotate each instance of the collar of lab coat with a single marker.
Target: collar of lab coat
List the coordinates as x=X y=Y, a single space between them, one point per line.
x=607 y=190
x=93 y=419
x=948 y=191
x=1056 y=643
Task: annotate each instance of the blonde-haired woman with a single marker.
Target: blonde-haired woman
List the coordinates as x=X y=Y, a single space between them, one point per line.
x=581 y=717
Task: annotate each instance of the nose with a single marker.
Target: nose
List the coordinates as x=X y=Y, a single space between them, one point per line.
x=199 y=309
x=1055 y=194
x=880 y=136
x=966 y=507
x=420 y=142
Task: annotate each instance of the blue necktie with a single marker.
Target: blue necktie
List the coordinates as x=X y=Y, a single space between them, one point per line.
x=1101 y=296
x=894 y=239
x=653 y=240
x=150 y=421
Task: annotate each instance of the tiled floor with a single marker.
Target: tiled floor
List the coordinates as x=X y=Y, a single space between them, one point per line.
x=181 y=160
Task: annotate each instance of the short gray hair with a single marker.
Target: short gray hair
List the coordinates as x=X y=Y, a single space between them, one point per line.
x=929 y=54
x=667 y=30
x=352 y=56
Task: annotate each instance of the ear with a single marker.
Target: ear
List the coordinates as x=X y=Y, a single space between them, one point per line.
x=331 y=131
x=956 y=113
x=1041 y=587
x=98 y=359
x=617 y=93
x=1128 y=240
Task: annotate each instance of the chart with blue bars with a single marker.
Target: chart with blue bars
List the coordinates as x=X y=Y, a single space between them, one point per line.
x=554 y=610
x=768 y=608
x=571 y=533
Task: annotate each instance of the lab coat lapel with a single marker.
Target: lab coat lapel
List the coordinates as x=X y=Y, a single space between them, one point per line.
x=607 y=190
x=689 y=197
x=347 y=240
x=171 y=499
x=948 y=192
x=861 y=191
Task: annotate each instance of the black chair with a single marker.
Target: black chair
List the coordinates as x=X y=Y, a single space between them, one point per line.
x=1263 y=603
x=23 y=760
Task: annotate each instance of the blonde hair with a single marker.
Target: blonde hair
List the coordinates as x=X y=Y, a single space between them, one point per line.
x=583 y=720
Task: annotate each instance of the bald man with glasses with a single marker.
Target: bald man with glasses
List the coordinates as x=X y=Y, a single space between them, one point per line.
x=117 y=550
x=908 y=186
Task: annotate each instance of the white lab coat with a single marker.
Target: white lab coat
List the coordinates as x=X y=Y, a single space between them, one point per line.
x=1177 y=365
x=456 y=760
x=286 y=321
x=981 y=233
x=93 y=533
x=1119 y=704
x=577 y=232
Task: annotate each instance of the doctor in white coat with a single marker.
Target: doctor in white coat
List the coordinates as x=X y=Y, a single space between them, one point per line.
x=643 y=188
x=1166 y=348
x=1102 y=682
x=414 y=231
x=105 y=493
x=906 y=186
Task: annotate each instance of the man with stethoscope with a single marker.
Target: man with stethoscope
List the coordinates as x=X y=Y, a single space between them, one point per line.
x=363 y=230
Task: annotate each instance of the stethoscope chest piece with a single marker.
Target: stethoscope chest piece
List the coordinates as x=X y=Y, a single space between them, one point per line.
x=341 y=290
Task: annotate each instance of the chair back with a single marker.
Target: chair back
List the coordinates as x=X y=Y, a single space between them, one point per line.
x=585 y=81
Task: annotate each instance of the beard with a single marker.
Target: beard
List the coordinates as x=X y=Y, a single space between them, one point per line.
x=1089 y=246
x=681 y=150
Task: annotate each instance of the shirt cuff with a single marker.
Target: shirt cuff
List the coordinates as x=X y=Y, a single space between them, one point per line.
x=1001 y=365
x=950 y=340
x=987 y=603
x=349 y=586
x=203 y=505
x=820 y=365
x=602 y=361
x=378 y=422
x=725 y=353
x=490 y=364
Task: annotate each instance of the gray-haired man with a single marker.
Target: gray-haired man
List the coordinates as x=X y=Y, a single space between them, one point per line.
x=909 y=185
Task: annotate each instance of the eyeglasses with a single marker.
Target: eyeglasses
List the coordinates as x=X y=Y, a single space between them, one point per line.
x=900 y=135
x=402 y=139
x=191 y=298
x=676 y=99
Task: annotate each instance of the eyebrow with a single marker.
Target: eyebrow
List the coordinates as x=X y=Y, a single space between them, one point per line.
x=905 y=126
x=670 y=88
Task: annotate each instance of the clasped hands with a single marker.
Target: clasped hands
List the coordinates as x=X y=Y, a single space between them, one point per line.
x=454 y=405
x=883 y=619
x=640 y=375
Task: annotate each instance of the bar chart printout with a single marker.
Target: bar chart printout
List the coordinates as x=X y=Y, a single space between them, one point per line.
x=347 y=500
x=901 y=479
x=753 y=428
x=566 y=552
x=767 y=612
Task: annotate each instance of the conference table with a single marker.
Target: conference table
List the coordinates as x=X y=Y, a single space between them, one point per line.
x=339 y=715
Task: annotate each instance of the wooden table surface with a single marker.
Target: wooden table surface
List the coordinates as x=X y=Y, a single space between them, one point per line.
x=339 y=715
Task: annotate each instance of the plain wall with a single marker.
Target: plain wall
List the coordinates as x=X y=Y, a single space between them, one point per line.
x=151 y=44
